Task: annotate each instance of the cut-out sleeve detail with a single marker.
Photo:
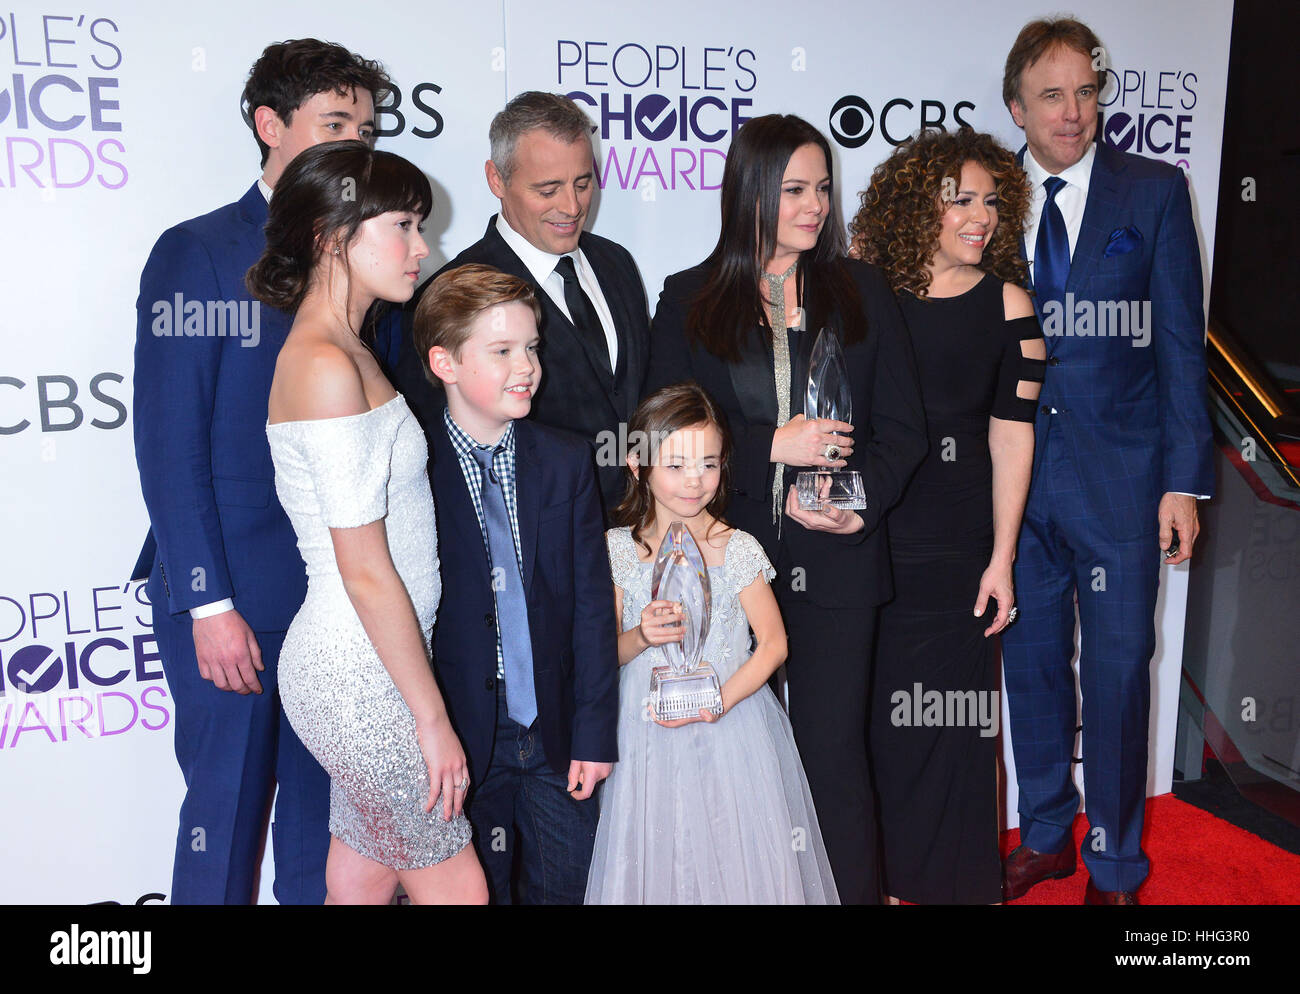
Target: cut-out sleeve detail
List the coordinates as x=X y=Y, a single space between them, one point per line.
x=1024 y=364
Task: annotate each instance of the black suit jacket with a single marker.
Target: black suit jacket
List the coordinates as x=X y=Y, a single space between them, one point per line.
x=889 y=441
x=570 y=602
x=577 y=392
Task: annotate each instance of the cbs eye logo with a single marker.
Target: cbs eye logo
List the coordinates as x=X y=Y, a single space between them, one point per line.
x=852 y=121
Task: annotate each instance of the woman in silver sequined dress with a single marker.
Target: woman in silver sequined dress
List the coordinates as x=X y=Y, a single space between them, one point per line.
x=350 y=463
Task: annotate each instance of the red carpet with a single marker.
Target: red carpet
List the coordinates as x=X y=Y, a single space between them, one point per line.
x=1196 y=858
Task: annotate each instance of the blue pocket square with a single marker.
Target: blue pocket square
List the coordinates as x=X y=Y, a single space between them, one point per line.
x=1122 y=241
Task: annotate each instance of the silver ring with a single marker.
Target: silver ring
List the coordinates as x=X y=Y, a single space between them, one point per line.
x=832 y=452
x=463 y=785
x=1013 y=614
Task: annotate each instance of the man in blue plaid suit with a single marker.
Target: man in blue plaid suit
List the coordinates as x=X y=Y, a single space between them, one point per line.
x=1122 y=453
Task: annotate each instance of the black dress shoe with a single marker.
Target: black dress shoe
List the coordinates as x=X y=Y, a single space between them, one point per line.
x=1095 y=897
x=1026 y=867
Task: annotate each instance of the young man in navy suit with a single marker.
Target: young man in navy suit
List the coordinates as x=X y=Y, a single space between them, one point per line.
x=225 y=577
x=1122 y=452
x=524 y=646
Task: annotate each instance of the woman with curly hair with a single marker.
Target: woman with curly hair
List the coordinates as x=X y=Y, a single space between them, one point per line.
x=943 y=218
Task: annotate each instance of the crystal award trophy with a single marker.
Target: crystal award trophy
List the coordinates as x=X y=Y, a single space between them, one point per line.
x=828 y=396
x=687 y=683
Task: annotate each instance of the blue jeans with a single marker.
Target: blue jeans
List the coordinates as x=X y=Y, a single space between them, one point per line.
x=528 y=830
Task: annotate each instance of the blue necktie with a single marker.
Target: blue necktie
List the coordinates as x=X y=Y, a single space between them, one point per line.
x=1052 y=249
x=512 y=603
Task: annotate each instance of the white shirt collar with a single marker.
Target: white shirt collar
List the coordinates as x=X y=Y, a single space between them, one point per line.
x=266 y=190
x=540 y=263
x=1076 y=175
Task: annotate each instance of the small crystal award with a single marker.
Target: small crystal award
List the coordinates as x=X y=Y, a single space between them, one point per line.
x=829 y=396
x=687 y=683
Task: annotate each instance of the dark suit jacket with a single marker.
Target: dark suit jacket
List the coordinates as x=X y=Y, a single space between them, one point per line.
x=216 y=526
x=570 y=601
x=889 y=440
x=217 y=529
x=1134 y=417
x=577 y=393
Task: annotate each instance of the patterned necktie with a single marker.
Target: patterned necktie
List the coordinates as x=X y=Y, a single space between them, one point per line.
x=781 y=369
x=512 y=603
x=581 y=312
x=1052 y=248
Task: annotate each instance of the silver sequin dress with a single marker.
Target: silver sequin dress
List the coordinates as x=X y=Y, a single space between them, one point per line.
x=705 y=813
x=344 y=473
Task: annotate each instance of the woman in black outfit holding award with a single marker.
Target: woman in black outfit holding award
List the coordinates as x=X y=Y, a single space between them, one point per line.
x=742 y=324
x=943 y=217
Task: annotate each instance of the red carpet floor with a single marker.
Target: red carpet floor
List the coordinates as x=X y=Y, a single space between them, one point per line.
x=1196 y=858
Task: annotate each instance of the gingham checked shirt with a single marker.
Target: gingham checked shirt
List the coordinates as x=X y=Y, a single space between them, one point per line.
x=503 y=464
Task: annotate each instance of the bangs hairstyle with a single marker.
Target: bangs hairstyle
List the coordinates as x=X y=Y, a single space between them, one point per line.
x=324 y=195
x=730 y=305
x=683 y=405
x=901 y=213
x=451 y=303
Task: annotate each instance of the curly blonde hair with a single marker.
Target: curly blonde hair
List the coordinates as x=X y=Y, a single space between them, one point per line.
x=901 y=213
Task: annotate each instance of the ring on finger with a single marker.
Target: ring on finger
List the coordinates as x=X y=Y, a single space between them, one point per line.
x=1013 y=614
x=463 y=785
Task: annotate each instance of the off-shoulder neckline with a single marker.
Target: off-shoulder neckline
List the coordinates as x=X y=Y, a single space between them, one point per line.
x=342 y=417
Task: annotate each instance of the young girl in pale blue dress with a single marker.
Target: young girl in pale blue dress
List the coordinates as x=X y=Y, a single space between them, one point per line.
x=713 y=809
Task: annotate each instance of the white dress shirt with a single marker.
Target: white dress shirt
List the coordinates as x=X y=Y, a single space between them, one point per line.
x=542 y=267
x=1071 y=198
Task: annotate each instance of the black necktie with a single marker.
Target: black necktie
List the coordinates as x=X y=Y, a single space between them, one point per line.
x=581 y=311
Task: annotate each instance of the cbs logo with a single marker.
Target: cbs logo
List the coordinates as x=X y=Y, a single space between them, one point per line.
x=853 y=122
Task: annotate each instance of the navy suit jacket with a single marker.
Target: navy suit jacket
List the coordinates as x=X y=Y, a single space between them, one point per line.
x=570 y=601
x=1134 y=417
x=217 y=529
x=577 y=392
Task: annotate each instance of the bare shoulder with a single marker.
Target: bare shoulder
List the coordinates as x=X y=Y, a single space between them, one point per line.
x=1015 y=302
x=314 y=379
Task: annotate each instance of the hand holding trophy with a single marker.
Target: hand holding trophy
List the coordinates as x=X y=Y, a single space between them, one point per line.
x=686 y=684
x=828 y=396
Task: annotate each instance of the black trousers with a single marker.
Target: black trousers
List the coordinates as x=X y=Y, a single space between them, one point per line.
x=828 y=674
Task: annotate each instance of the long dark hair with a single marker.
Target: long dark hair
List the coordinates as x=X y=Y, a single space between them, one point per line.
x=730 y=306
x=682 y=405
x=328 y=191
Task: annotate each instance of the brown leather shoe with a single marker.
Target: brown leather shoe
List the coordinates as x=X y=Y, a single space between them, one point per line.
x=1095 y=897
x=1026 y=867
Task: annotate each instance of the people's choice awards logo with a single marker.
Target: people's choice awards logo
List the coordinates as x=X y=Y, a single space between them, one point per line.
x=60 y=105
x=78 y=665
x=663 y=113
x=1149 y=111
x=853 y=121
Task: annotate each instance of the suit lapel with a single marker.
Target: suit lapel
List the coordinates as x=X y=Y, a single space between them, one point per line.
x=454 y=509
x=527 y=495
x=625 y=327
x=1099 y=215
x=752 y=379
x=252 y=211
x=556 y=321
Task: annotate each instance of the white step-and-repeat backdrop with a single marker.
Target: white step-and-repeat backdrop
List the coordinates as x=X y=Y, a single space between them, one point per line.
x=119 y=122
